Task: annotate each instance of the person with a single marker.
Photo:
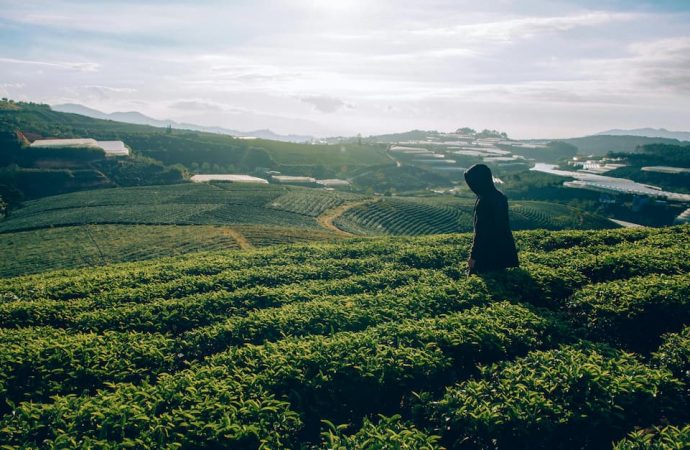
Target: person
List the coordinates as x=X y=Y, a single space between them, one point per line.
x=493 y=246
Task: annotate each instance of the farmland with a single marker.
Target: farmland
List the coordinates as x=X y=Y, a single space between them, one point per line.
x=434 y=215
x=193 y=149
x=103 y=226
x=367 y=343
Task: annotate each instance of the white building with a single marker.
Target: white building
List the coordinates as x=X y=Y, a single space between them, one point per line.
x=331 y=182
x=235 y=178
x=111 y=148
x=290 y=179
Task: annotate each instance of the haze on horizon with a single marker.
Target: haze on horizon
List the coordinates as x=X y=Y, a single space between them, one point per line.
x=535 y=68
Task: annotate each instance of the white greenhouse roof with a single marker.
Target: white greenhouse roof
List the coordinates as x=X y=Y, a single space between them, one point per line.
x=111 y=148
x=236 y=178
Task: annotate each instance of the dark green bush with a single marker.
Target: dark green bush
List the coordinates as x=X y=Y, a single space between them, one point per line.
x=635 y=312
x=389 y=433
x=674 y=354
x=657 y=438
x=566 y=398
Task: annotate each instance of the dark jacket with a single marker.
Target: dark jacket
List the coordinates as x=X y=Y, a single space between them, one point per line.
x=493 y=247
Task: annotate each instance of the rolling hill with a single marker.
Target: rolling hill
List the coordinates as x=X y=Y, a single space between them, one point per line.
x=127 y=224
x=193 y=149
x=137 y=118
x=376 y=343
x=649 y=132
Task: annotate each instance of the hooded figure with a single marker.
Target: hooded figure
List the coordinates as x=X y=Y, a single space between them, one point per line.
x=493 y=247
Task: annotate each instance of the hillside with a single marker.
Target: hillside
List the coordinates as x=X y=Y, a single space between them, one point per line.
x=445 y=214
x=193 y=149
x=141 y=119
x=128 y=224
x=599 y=145
x=649 y=132
x=276 y=348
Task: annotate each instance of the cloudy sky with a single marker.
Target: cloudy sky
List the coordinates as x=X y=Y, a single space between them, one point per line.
x=533 y=68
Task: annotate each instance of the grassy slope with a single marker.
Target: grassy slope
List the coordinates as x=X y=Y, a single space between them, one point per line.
x=265 y=343
x=128 y=224
x=186 y=147
x=415 y=216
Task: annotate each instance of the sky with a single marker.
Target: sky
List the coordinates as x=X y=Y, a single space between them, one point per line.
x=531 y=68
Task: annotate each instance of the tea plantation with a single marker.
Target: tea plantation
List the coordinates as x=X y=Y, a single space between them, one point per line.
x=376 y=343
x=446 y=214
x=102 y=226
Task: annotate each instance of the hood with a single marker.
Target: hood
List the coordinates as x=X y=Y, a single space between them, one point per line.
x=479 y=179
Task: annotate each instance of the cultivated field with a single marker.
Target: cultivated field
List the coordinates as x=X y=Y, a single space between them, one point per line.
x=89 y=228
x=435 y=215
x=371 y=343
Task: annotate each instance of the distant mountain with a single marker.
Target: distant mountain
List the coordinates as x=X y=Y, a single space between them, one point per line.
x=141 y=119
x=601 y=144
x=649 y=132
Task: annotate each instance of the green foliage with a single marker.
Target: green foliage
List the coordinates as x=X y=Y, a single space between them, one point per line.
x=36 y=363
x=657 y=438
x=674 y=354
x=635 y=312
x=33 y=156
x=271 y=347
x=96 y=245
x=397 y=179
x=309 y=202
x=390 y=433
x=416 y=216
x=566 y=398
x=35 y=183
x=554 y=152
x=600 y=145
x=182 y=204
x=139 y=171
x=190 y=147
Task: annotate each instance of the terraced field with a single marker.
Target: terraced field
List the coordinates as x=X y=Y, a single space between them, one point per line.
x=372 y=343
x=183 y=204
x=116 y=225
x=90 y=228
x=418 y=216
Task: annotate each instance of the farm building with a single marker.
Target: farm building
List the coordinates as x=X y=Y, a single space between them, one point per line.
x=292 y=179
x=333 y=182
x=228 y=177
x=111 y=148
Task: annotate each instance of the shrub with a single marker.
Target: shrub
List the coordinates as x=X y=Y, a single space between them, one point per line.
x=565 y=398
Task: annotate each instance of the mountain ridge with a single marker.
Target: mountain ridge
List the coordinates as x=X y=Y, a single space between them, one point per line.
x=138 y=118
x=648 y=132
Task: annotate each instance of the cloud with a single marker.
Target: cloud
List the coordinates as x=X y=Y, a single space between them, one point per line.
x=524 y=27
x=196 y=105
x=78 y=66
x=324 y=103
x=663 y=63
x=110 y=89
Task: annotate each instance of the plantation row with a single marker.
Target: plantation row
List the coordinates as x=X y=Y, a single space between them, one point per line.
x=574 y=248
x=95 y=245
x=418 y=216
x=264 y=345
x=230 y=400
x=310 y=202
x=552 y=216
x=393 y=216
x=158 y=214
x=249 y=195
x=329 y=307
x=184 y=204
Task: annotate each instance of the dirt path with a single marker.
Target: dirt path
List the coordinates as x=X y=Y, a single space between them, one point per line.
x=326 y=219
x=242 y=241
